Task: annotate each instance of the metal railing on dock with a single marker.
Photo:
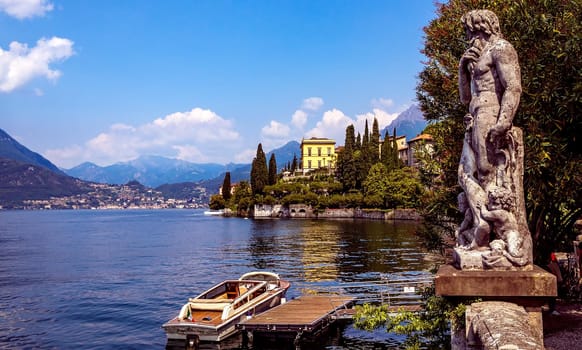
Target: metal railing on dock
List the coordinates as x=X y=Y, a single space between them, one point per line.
x=394 y=291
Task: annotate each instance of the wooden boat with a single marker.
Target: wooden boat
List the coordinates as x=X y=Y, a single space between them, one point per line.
x=213 y=315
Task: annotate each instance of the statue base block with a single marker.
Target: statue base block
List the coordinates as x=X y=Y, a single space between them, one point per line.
x=487 y=284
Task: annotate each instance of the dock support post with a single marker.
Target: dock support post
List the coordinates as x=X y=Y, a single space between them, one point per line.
x=297 y=341
x=245 y=340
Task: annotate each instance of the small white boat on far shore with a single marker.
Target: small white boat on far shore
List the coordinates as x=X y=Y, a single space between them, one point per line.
x=214 y=212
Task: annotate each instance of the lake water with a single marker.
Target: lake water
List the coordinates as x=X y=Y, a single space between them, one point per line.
x=110 y=279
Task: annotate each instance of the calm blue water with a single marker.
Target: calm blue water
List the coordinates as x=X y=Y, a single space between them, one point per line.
x=110 y=279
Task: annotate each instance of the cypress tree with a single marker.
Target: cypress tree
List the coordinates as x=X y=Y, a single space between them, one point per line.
x=395 y=161
x=226 y=187
x=366 y=137
x=347 y=172
x=259 y=171
x=272 y=169
x=364 y=160
x=375 y=143
x=294 y=163
x=386 y=155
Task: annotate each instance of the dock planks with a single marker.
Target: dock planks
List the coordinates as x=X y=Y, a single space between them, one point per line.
x=307 y=313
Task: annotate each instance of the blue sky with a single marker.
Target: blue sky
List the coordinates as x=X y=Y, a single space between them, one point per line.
x=205 y=81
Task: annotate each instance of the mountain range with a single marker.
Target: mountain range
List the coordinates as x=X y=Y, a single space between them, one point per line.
x=155 y=171
x=23 y=171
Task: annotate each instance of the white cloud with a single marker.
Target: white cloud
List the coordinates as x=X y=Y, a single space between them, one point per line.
x=190 y=153
x=332 y=125
x=384 y=119
x=246 y=156
x=181 y=135
x=202 y=124
x=382 y=103
x=22 y=9
x=312 y=103
x=21 y=64
x=299 y=119
x=275 y=130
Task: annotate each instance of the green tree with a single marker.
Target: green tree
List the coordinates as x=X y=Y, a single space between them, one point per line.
x=242 y=190
x=294 y=163
x=376 y=182
x=216 y=202
x=364 y=161
x=547 y=38
x=403 y=188
x=259 y=171
x=390 y=152
x=226 y=187
x=375 y=143
x=272 y=170
x=396 y=163
x=347 y=171
x=386 y=153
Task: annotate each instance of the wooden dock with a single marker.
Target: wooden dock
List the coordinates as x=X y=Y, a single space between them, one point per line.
x=308 y=313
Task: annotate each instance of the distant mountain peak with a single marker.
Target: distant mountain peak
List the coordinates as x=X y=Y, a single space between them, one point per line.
x=409 y=123
x=12 y=149
x=412 y=113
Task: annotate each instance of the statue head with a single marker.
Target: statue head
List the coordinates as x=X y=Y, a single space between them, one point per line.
x=484 y=21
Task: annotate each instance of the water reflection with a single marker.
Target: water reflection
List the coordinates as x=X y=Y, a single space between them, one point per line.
x=321 y=248
x=319 y=254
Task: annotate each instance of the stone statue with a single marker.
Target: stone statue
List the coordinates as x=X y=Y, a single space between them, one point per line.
x=491 y=165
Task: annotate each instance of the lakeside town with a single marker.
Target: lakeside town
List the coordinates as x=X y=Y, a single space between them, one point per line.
x=106 y=196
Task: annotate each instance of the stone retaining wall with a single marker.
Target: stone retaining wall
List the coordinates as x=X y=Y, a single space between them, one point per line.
x=307 y=212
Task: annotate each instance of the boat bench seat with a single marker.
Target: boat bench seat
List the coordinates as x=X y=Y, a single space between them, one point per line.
x=209 y=304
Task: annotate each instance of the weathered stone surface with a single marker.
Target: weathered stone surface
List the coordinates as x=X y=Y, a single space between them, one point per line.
x=450 y=281
x=490 y=170
x=495 y=325
x=483 y=259
x=467 y=259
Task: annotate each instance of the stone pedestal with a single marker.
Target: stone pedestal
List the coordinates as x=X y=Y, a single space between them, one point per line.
x=528 y=289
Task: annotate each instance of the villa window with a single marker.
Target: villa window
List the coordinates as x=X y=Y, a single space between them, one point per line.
x=329 y=151
x=309 y=152
x=319 y=151
x=319 y=163
x=309 y=164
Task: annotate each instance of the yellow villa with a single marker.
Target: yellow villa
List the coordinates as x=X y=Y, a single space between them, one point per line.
x=317 y=153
